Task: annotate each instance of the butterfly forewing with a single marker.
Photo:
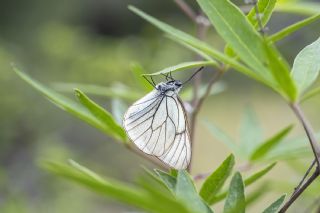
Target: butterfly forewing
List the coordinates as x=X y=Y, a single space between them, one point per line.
x=157 y=124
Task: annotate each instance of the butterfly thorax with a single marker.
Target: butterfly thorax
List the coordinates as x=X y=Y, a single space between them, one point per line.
x=174 y=86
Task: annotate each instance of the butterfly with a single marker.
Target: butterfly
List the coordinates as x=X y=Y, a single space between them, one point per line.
x=157 y=124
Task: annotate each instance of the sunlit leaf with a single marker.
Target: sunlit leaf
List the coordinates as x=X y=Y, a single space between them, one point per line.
x=266 y=146
x=235 y=202
x=273 y=208
x=186 y=192
x=185 y=66
x=215 y=181
x=293 y=28
x=306 y=66
x=303 y=8
x=234 y=28
x=111 y=126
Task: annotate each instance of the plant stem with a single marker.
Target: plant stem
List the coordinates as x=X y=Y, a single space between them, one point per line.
x=299 y=191
x=309 y=131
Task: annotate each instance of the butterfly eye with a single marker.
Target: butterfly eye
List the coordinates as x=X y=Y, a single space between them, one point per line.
x=178 y=83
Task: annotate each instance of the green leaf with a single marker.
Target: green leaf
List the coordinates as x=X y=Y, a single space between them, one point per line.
x=65 y=103
x=273 y=208
x=116 y=91
x=235 y=202
x=256 y=176
x=188 y=40
x=303 y=8
x=310 y=94
x=293 y=28
x=247 y=182
x=184 y=66
x=222 y=137
x=134 y=196
x=281 y=73
x=111 y=126
x=138 y=71
x=266 y=146
x=306 y=66
x=186 y=192
x=265 y=8
x=167 y=179
x=235 y=29
x=215 y=181
x=250 y=131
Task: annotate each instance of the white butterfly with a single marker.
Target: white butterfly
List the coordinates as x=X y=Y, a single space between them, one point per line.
x=157 y=124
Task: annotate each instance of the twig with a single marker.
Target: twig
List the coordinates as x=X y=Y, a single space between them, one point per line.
x=187 y=10
x=304 y=177
x=299 y=191
x=309 y=131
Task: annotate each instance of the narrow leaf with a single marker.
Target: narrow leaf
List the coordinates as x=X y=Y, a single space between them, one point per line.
x=138 y=71
x=116 y=91
x=65 y=103
x=273 y=208
x=310 y=94
x=167 y=179
x=250 y=131
x=216 y=180
x=256 y=176
x=266 y=146
x=248 y=181
x=186 y=192
x=293 y=28
x=235 y=29
x=188 y=40
x=265 y=8
x=303 y=8
x=222 y=137
x=235 y=202
x=113 y=128
x=306 y=66
x=184 y=66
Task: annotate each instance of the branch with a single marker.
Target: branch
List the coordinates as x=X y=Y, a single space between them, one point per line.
x=309 y=131
x=299 y=191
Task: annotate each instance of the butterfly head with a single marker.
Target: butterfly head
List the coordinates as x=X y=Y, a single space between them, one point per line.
x=173 y=85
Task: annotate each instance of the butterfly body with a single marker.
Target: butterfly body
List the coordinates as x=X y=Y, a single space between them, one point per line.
x=157 y=125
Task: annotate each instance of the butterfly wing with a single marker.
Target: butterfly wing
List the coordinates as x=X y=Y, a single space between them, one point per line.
x=157 y=124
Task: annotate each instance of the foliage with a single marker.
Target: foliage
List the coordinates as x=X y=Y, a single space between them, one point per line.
x=248 y=52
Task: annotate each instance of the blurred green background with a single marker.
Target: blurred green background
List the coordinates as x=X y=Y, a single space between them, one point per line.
x=96 y=42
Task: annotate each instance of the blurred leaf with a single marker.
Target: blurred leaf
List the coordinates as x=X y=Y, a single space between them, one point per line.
x=167 y=179
x=235 y=202
x=256 y=176
x=218 y=87
x=215 y=181
x=102 y=115
x=186 y=192
x=310 y=94
x=118 y=110
x=68 y=105
x=273 y=208
x=184 y=66
x=266 y=146
x=247 y=182
x=255 y=195
x=222 y=137
x=116 y=91
x=134 y=196
x=303 y=8
x=182 y=37
x=250 y=131
x=293 y=28
x=235 y=29
x=281 y=73
x=306 y=66
x=138 y=71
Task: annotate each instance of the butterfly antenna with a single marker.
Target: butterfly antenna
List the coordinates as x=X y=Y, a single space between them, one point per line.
x=200 y=69
x=150 y=82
